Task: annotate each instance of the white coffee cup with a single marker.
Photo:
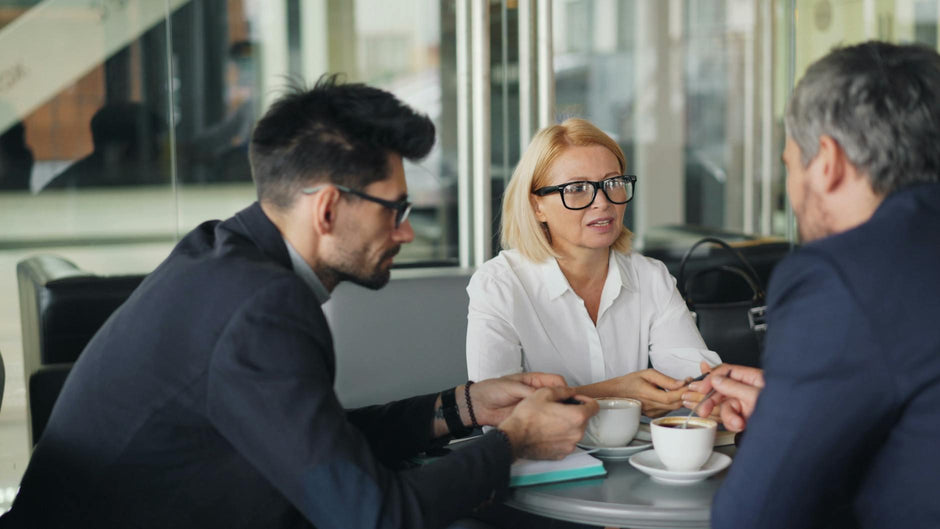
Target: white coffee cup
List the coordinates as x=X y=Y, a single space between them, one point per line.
x=683 y=449
x=616 y=423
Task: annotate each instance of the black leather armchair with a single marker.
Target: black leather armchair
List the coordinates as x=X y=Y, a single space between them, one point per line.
x=61 y=308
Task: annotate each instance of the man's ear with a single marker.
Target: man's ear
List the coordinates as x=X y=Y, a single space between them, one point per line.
x=325 y=209
x=832 y=171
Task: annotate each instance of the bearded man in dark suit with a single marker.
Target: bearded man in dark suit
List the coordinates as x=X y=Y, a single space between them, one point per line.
x=207 y=399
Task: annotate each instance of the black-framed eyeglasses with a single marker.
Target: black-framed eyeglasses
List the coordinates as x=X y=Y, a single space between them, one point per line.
x=401 y=207
x=581 y=194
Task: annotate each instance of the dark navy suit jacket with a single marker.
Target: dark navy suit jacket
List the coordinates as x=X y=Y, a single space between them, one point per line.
x=206 y=401
x=850 y=414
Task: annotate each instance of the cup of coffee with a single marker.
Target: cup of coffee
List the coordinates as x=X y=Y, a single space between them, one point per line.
x=616 y=423
x=683 y=449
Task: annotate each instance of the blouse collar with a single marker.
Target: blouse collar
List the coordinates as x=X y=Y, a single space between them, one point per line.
x=557 y=284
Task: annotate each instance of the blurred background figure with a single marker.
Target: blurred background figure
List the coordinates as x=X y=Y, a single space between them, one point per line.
x=16 y=159
x=221 y=150
x=129 y=149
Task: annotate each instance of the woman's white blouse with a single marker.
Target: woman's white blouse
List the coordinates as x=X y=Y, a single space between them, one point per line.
x=524 y=316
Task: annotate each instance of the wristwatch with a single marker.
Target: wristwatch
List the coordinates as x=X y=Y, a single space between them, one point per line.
x=452 y=414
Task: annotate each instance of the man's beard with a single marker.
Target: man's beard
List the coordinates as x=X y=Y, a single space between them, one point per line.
x=810 y=220
x=375 y=279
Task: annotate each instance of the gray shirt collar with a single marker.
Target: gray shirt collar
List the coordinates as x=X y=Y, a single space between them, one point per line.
x=307 y=274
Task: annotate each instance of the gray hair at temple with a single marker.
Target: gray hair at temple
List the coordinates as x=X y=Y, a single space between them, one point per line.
x=881 y=103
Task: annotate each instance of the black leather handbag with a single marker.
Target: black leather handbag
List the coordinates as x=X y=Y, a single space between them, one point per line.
x=732 y=328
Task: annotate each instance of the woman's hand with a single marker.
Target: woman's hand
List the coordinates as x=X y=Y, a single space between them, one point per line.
x=658 y=393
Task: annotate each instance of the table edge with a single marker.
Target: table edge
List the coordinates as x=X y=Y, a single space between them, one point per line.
x=593 y=512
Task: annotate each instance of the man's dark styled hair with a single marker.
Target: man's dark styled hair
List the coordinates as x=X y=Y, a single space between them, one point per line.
x=338 y=133
x=881 y=103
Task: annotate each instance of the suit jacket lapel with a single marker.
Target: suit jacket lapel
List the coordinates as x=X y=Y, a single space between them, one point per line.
x=256 y=226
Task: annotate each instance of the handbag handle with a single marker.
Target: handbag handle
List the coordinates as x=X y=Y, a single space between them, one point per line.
x=753 y=280
x=755 y=288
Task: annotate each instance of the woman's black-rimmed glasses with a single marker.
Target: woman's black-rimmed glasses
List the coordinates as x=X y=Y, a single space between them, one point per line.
x=401 y=207
x=581 y=194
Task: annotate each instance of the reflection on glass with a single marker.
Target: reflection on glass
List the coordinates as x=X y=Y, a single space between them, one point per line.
x=676 y=84
x=400 y=47
x=218 y=150
x=128 y=149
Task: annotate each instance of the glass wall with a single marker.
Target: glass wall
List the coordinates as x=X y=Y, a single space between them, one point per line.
x=694 y=91
x=124 y=123
x=679 y=85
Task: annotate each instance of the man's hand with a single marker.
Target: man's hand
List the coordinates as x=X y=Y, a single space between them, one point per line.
x=539 y=380
x=494 y=399
x=541 y=427
x=691 y=398
x=737 y=389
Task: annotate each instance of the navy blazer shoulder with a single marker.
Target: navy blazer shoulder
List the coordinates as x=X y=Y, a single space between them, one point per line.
x=845 y=428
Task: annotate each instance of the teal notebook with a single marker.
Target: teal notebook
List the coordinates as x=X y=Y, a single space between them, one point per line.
x=578 y=464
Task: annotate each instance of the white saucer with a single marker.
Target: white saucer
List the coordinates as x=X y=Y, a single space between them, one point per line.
x=615 y=452
x=648 y=462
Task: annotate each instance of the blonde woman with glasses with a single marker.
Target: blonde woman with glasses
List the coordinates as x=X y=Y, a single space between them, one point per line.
x=568 y=295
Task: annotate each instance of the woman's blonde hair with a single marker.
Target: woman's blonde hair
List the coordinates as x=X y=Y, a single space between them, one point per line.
x=520 y=228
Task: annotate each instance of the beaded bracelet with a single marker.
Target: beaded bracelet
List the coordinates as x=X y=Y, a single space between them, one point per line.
x=466 y=394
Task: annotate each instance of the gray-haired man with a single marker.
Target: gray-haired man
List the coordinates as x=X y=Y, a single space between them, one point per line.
x=845 y=428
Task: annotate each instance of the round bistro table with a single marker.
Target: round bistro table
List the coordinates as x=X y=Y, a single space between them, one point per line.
x=625 y=497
